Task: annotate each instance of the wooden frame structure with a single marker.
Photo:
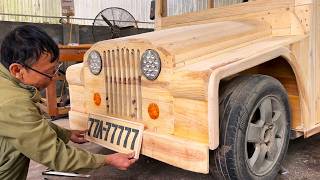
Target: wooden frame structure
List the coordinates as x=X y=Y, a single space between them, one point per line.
x=199 y=50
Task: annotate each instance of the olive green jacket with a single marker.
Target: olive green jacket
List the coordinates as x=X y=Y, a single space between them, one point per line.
x=25 y=134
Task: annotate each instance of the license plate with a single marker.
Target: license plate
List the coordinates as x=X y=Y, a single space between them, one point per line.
x=115 y=134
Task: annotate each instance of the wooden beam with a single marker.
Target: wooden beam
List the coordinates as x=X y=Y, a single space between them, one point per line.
x=210 y=4
x=160 y=12
x=164 y=11
x=52 y=99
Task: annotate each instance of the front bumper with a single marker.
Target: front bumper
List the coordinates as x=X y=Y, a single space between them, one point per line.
x=179 y=152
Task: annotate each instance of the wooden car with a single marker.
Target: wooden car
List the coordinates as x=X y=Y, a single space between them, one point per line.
x=220 y=90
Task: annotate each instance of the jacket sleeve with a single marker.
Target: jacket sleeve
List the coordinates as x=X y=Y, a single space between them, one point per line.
x=24 y=127
x=62 y=133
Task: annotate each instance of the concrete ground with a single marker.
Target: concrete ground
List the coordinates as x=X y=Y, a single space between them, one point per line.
x=302 y=162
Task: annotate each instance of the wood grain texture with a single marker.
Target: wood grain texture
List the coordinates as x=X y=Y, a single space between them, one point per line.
x=78 y=120
x=178 y=152
x=167 y=148
x=191 y=119
x=197 y=51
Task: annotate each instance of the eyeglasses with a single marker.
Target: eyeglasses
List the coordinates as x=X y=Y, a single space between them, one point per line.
x=44 y=74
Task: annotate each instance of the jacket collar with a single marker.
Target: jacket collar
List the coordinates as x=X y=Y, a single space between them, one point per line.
x=35 y=94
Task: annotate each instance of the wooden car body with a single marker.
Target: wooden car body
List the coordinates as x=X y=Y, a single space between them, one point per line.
x=199 y=51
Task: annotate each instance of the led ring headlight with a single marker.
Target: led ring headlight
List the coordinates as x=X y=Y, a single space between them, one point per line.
x=150 y=64
x=95 y=62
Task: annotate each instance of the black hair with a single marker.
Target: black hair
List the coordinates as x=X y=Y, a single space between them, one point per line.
x=25 y=44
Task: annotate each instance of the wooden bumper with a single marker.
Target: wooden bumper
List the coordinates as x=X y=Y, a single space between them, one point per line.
x=179 y=152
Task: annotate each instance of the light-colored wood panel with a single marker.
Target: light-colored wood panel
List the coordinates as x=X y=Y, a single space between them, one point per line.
x=123 y=79
x=77 y=98
x=296 y=121
x=117 y=80
x=78 y=120
x=178 y=152
x=133 y=99
x=156 y=93
x=315 y=40
x=108 y=82
x=190 y=85
x=74 y=74
x=302 y=2
x=95 y=84
x=164 y=123
x=191 y=119
x=251 y=58
x=138 y=81
x=202 y=45
x=303 y=14
x=301 y=55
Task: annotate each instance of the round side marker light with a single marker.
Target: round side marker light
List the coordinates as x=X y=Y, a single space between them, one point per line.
x=97 y=99
x=153 y=111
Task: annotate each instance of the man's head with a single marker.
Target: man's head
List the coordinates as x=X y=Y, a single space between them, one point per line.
x=30 y=55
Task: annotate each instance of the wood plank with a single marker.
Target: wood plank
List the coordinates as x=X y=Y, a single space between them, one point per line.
x=138 y=84
x=296 y=122
x=133 y=98
x=78 y=120
x=122 y=81
x=95 y=84
x=128 y=82
x=194 y=89
x=77 y=98
x=113 y=84
x=164 y=124
x=117 y=81
x=108 y=83
x=74 y=74
x=191 y=119
x=178 y=152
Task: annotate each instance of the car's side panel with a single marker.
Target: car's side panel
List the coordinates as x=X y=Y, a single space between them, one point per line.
x=234 y=61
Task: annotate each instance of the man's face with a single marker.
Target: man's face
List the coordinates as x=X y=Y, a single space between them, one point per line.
x=38 y=75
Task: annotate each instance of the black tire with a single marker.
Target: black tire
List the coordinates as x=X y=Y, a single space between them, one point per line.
x=246 y=102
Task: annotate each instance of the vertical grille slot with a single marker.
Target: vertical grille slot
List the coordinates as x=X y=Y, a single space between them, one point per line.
x=123 y=79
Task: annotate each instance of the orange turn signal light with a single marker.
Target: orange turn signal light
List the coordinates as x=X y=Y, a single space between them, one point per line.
x=153 y=111
x=97 y=99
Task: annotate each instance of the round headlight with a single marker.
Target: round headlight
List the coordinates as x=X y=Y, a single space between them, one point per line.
x=150 y=64
x=95 y=62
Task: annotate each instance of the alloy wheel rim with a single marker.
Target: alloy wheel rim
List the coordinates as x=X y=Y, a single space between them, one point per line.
x=265 y=135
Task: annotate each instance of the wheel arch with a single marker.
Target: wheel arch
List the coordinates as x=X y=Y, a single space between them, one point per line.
x=249 y=65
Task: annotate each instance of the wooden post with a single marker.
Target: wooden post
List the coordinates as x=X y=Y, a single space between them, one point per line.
x=161 y=11
x=52 y=99
x=164 y=6
x=210 y=4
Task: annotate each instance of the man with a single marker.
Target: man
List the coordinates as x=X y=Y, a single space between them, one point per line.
x=29 y=61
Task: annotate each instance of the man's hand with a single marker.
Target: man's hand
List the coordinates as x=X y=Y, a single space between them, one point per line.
x=120 y=160
x=77 y=136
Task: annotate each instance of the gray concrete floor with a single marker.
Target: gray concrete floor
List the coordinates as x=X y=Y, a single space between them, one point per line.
x=302 y=162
